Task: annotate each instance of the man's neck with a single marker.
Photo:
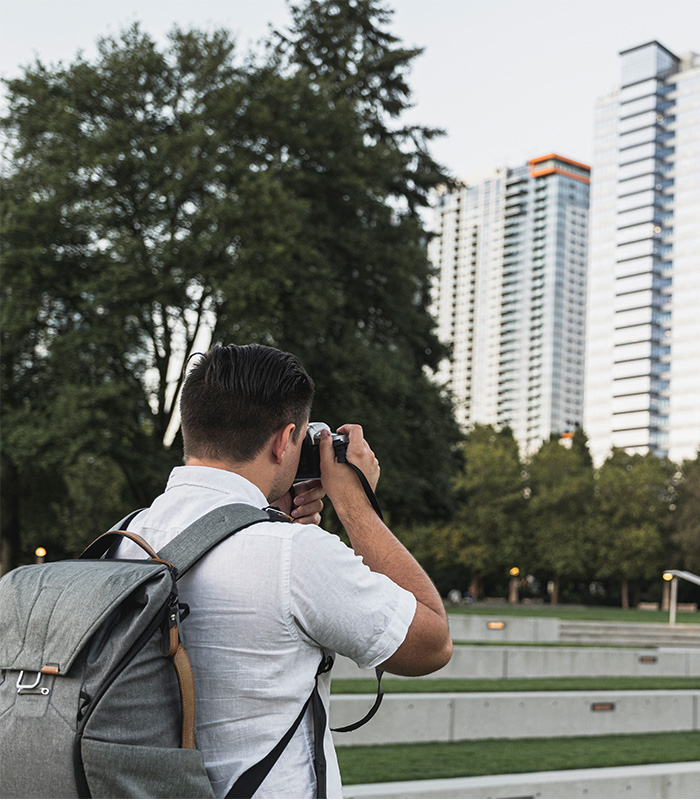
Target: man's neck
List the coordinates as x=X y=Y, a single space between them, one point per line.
x=250 y=470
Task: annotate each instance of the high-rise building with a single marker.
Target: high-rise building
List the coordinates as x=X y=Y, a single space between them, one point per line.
x=509 y=296
x=642 y=386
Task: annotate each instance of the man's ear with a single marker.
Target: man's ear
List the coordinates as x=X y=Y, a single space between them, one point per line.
x=281 y=441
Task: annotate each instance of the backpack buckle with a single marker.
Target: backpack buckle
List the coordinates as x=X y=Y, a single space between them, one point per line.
x=30 y=688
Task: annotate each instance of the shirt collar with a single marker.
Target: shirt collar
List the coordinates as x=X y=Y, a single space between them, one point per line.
x=219 y=480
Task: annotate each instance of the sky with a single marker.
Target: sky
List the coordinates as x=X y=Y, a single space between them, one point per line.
x=508 y=80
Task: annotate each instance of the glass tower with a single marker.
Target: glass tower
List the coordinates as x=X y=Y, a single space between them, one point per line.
x=642 y=385
x=509 y=296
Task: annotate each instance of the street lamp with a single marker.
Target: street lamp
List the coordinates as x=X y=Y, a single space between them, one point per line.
x=669 y=576
x=40 y=554
x=673 y=575
x=513 y=589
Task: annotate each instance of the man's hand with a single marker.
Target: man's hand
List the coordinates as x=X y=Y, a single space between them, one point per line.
x=307 y=504
x=340 y=482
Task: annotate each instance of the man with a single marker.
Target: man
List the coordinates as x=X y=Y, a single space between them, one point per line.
x=267 y=602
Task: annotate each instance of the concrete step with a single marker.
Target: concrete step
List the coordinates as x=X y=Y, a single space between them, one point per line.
x=502 y=661
x=448 y=717
x=651 y=781
x=495 y=628
x=631 y=634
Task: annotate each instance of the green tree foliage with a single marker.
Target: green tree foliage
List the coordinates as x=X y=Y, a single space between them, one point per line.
x=359 y=316
x=686 y=518
x=153 y=196
x=485 y=534
x=634 y=499
x=560 y=510
x=561 y=520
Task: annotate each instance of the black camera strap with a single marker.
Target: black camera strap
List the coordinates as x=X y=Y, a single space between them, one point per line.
x=342 y=459
x=340 y=455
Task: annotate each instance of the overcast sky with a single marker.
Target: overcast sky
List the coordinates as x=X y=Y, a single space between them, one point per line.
x=507 y=79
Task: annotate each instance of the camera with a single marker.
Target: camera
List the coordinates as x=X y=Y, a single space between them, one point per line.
x=310 y=460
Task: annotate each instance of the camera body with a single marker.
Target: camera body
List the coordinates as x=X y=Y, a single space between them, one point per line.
x=310 y=460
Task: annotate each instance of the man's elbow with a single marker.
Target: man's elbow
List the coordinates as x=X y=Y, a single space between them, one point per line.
x=438 y=657
x=446 y=653
x=414 y=659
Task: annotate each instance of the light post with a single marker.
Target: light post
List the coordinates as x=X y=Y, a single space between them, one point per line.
x=40 y=555
x=673 y=605
x=513 y=588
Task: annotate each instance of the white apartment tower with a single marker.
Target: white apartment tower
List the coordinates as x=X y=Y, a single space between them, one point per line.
x=642 y=386
x=509 y=296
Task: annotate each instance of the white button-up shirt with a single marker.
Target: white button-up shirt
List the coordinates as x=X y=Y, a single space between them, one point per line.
x=262 y=605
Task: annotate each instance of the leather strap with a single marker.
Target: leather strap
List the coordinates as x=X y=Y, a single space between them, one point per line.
x=185 y=679
x=105 y=542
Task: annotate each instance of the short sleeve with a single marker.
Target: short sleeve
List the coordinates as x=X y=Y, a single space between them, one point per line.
x=340 y=604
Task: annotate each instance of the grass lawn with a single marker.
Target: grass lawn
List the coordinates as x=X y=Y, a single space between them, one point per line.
x=374 y=764
x=392 y=685
x=593 y=613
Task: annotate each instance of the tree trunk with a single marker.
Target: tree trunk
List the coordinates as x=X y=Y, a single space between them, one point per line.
x=9 y=527
x=625 y=593
x=554 y=598
x=513 y=596
x=475 y=589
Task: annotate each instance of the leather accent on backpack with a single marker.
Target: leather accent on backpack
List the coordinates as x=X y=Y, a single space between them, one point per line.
x=99 y=546
x=185 y=677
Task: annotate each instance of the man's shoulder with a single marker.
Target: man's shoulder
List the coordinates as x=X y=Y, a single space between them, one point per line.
x=300 y=536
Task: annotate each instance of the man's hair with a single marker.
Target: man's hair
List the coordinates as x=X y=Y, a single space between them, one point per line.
x=236 y=397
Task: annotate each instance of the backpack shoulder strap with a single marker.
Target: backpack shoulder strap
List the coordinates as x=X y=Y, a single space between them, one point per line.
x=201 y=536
x=248 y=782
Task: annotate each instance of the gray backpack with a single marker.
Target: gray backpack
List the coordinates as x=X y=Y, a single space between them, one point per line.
x=96 y=690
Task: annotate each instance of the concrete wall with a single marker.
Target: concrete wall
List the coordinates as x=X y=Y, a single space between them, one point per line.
x=448 y=717
x=648 y=780
x=554 y=662
x=475 y=628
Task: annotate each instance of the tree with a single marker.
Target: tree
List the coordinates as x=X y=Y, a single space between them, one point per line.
x=485 y=534
x=363 y=183
x=122 y=213
x=560 y=509
x=687 y=515
x=634 y=494
x=156 y=199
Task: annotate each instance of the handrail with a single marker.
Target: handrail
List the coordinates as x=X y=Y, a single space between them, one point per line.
x=688 y=576
x=678 y=573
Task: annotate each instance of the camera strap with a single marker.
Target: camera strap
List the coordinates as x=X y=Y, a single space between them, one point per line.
x=249 y=781
x=320 y=721
x=365 y=483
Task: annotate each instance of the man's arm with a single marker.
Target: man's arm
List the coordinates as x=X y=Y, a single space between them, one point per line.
x=427 y=645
